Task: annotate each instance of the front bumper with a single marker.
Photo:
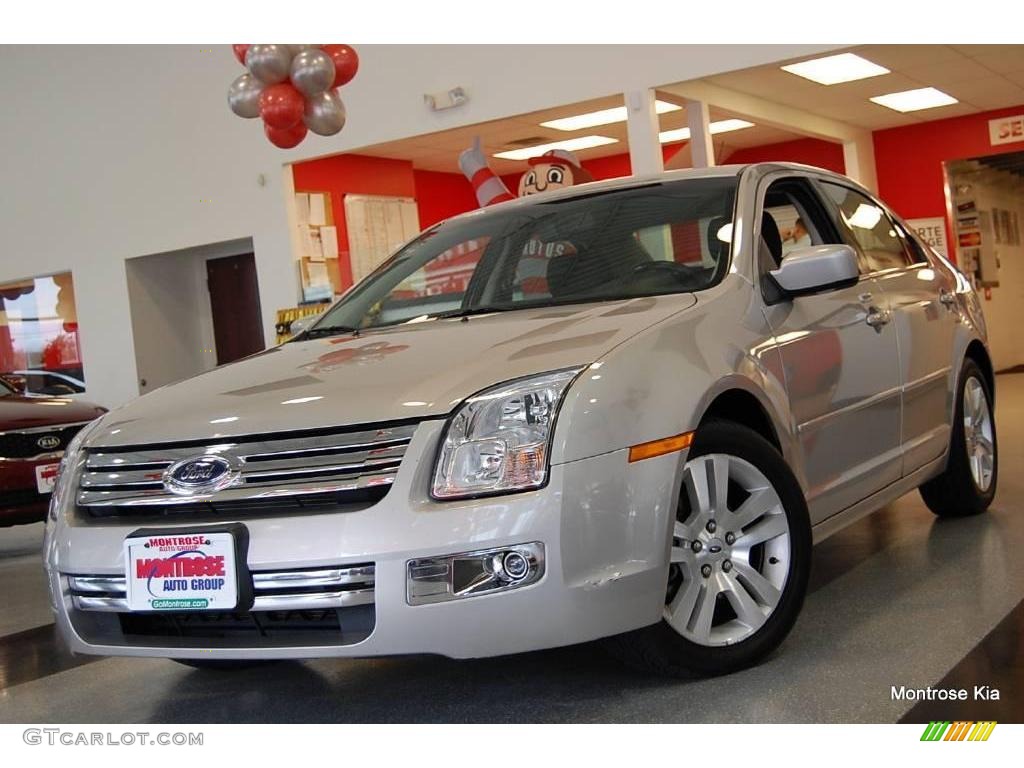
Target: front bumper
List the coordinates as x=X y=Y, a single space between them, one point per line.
x=20 y=500
x=603 y=523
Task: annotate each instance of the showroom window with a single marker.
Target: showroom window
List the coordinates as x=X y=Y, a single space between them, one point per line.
x=39 y=346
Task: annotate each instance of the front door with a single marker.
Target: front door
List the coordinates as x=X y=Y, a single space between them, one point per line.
x=235 y=304
x=840 y=359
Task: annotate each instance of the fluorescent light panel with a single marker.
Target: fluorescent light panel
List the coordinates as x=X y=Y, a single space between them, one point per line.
x=583 y=142
x=841 y=68
x=721 y=126
x=602 y=117
x=911 y=101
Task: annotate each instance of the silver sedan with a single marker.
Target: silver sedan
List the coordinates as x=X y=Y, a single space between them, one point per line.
x=625 y=410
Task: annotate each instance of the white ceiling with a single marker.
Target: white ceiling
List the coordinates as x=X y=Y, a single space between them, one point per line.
x=981 y=77
x=440 y=151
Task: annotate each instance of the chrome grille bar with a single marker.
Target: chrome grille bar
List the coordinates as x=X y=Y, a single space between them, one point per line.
x=265 y=467
x=337 y=587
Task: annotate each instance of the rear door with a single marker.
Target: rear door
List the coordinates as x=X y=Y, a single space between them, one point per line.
x=921 y=300
x=840 y=360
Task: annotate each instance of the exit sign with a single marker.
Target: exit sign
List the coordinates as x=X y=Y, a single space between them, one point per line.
x=1006 y=130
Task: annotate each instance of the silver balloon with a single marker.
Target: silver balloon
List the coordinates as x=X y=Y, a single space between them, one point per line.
x=244 y=96
x=325 y=113
x=269 y=62
x=297 y=49
x=312 y=71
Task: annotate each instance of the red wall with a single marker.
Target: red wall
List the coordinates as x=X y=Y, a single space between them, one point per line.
x=440 y=195
x=822 y=154
x=909 y=160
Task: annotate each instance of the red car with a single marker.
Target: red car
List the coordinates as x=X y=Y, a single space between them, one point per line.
x=34 y=431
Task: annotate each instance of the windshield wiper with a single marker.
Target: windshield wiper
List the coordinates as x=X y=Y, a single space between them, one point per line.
x=327 y=330
x=470 y=311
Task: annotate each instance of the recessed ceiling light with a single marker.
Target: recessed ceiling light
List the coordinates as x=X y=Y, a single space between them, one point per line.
x=583 y=142
x=911 y=101
x=722 y=126
x=602 y=117
x=841 y=68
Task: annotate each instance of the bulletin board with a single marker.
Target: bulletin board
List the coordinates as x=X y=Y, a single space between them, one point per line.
x=377 y=226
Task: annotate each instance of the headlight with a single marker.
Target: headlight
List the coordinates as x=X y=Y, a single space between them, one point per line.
x=499 y=440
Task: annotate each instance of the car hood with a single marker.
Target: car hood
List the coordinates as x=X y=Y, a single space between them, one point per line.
x=411 y=371
x=27 y=411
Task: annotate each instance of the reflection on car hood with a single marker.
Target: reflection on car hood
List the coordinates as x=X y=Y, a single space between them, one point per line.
x=411 y=371
x=28 y=411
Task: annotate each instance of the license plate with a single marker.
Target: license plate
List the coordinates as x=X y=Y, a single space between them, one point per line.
x=181 y=572
x=46 y=477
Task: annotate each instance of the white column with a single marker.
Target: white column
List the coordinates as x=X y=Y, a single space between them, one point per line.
x=859 y=158
x=702 y=151
x=642 y=130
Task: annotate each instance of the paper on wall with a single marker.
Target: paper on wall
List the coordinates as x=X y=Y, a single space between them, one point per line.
x=329 y=242
x=317 y=210
x=302 y=207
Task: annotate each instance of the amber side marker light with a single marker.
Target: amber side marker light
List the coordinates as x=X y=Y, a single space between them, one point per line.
x=660 y=447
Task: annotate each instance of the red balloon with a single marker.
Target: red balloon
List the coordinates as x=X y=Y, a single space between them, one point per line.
x=281 y=105
x=286 y=138
x=240 y=51
x=346 y=63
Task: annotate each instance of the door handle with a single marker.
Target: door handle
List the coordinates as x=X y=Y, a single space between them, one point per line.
x=876 y=317
x=947 y=298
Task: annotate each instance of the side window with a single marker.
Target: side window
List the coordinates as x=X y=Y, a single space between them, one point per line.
x=915 y=252
x=791 y=218
x=869 y=228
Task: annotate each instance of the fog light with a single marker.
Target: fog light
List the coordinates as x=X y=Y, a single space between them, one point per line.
x=468 y=574
x=515 y=565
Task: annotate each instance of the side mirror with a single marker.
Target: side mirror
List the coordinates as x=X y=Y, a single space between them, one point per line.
x=300 y=324
x=815 y=269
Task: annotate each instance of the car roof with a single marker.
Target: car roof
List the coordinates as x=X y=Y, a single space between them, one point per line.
x=630 y=182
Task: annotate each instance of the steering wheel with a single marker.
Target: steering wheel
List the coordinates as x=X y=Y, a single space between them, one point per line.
x=690 y=277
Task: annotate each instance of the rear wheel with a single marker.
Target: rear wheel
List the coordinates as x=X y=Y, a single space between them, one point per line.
x=739 y=561
x=968 y=484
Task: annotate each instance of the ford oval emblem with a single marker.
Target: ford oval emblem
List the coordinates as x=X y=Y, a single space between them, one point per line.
x=202 y=474
x=48 y=442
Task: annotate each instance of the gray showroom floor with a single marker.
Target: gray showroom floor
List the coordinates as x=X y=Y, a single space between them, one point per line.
x=897 y=599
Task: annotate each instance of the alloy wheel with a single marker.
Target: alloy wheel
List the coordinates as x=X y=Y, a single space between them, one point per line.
x=730 y=553
x=981 y=450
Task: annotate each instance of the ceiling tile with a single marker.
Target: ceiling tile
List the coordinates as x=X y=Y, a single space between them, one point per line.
x=899 y=57
x=990 y=92
x=1011 y=60
x=1015 y=77
x=940 y=74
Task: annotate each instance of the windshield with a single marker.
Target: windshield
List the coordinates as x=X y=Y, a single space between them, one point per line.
x=660 y=238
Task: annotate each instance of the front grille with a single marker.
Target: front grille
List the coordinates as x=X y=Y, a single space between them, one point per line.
x=28 y=443
x=297 y=471
x=299 y=607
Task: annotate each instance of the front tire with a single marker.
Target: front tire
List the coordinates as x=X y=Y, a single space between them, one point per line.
x=739 y=564
x=968 y=484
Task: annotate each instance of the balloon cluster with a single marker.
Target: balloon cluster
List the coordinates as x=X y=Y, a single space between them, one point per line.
x=293 y=88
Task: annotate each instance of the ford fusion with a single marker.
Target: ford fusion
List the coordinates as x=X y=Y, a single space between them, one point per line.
x=625 y=410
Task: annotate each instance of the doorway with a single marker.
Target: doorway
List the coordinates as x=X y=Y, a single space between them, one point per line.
x=192 y=310
x=235 y=306
x=986 y=204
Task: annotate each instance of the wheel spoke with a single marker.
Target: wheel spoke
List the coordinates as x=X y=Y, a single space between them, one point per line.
x=680 y=555
x=701 y=617
x=770 y=527
x=681 y=609
x=719 y=484
x=697 y=486
x=760 y=502
x=681 y=530
x=764 y=591
x=747 y=609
